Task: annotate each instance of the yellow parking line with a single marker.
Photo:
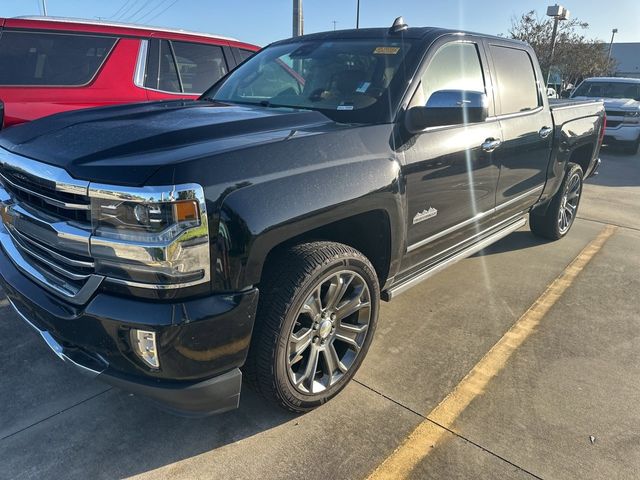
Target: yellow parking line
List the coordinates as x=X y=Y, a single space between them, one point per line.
x=422 y=440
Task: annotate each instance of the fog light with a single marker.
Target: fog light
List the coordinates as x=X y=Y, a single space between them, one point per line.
x=144 y=344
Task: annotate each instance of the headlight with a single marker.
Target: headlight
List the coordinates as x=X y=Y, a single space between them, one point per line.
x=632 y=117
x=150 y=237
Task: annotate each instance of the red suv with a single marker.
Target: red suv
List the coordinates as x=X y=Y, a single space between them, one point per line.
x=50 y=65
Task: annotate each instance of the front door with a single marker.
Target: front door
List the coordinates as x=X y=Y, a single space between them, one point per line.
x=450 y=173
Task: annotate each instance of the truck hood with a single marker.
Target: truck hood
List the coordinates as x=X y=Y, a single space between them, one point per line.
x=95 y=144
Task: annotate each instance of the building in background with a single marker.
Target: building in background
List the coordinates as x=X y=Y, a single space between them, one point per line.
x=628 y=57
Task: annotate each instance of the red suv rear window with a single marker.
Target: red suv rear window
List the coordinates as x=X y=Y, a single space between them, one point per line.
x=51 y=59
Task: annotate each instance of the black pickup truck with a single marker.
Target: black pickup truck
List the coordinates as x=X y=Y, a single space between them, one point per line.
x=167 y=247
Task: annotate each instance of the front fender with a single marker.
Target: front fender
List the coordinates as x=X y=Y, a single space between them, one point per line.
x=258 y=217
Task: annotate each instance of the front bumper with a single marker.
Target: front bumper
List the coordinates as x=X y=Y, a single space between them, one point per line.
x=622 y=133
x=201 y=342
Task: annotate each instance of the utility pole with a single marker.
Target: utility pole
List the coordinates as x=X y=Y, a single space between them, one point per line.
x=44 y=7
x=334 y=25
x=298 y=22
x=558 y=13
x=613 y=34
x=358 y=15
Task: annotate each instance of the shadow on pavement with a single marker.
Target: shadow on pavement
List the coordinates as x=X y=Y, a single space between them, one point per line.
x=618 y=169
x=519 y=240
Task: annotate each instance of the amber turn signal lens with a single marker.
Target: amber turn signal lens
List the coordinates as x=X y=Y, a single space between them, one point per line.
x=186 y=211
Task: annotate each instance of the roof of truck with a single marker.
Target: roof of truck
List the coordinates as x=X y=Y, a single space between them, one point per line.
x=417 y=33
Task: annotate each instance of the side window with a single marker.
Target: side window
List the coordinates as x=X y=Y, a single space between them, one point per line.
x=161 y=73
x=51 y=59
x=200 y=65
x=455 y=66
x=168 y=80
x=245 y=54
x=517 y=87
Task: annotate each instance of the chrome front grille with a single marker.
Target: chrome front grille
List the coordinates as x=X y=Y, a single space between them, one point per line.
x=46 y=226
x=44 y=197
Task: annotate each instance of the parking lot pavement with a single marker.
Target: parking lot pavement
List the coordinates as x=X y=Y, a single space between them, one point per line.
x=576 y=376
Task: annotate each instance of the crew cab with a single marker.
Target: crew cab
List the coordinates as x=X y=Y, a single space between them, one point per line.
x=51 y=64
x=621 y=98
x=169 y=247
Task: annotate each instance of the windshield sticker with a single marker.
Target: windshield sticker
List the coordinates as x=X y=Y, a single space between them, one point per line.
x=386 y=50
x=345 y=106
x=364 y=86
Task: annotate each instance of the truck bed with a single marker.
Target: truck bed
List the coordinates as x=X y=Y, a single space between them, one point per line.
x=566 y=110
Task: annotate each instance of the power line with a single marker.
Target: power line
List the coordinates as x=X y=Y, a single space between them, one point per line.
x=161 y=4
x=124 y=4
x=170 y=5
x=142 y=7
x=127 y=10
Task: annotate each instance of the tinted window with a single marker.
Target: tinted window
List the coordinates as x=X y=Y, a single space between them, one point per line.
x=456 y=66
x=168 y=80
x=608 y=90
x=50 y=59
x=200 y=66
x=244 y=54
x=517 y=87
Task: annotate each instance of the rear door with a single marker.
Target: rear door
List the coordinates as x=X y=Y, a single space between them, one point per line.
x=178 y=69
x=527 y=127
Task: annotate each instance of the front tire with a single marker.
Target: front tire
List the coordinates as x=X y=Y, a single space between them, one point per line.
x=316 y=318
x=559 y=216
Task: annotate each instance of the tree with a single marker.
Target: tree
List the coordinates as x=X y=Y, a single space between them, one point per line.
x=576 y=56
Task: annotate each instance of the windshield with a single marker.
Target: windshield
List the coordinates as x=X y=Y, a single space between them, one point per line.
x=349 y=80
x=608 y=90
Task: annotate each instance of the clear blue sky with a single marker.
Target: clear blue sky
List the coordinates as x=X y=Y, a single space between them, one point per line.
x=263 y=21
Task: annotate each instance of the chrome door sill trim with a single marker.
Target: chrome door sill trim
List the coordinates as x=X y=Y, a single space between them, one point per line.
x=480 y=216
x=402 y=287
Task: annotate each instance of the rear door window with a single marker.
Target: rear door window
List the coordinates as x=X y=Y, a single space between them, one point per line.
x=51 y=59
x=200 y=65
x=244 y=54
x=517 y=86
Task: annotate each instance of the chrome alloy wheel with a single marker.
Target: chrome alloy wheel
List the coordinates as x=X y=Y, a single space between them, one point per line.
x=329 y=332
x=569 y=204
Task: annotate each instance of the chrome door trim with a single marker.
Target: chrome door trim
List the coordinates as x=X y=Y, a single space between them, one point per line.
x=518 y=198
x=141 y=64
x=449 y=230
x=400 y=288
x=479 y=216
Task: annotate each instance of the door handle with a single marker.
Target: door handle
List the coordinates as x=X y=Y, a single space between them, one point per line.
x=545 y=132
x=490 y=144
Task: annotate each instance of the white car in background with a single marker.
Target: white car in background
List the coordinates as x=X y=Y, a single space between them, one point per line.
x=621 y=98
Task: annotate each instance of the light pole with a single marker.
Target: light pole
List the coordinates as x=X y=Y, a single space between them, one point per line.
x=358 y=15
x=558 y=12
x=44 y=7
x=298 y=22
x=613 y=34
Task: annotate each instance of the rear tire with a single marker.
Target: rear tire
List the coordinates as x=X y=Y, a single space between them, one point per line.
x=559 y=216
x=316 y=318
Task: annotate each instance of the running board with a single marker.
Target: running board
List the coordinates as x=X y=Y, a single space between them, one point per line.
x=396 y=290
